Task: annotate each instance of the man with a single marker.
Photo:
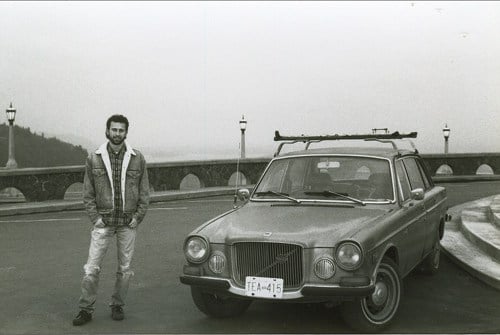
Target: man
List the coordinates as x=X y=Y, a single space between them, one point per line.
x=116 y=197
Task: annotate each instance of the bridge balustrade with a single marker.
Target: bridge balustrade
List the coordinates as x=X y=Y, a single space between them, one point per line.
x=40 y=184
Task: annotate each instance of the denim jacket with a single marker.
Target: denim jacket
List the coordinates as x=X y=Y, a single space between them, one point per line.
x=98 y=190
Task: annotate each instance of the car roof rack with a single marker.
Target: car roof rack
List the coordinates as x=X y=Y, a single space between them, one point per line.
x=383 y=138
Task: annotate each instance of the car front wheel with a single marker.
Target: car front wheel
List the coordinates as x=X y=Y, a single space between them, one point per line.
x=217 y=306
x=376 y=311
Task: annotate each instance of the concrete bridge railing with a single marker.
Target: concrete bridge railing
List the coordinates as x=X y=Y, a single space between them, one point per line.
x=463 y=164
x=40 y=184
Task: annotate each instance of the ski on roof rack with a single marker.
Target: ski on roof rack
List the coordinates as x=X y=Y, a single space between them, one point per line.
x=384 y=138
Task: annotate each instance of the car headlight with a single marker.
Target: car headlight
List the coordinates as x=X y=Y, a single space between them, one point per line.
x=217 y=262
x=196 y=249
x=324 y=268
x=349 y=256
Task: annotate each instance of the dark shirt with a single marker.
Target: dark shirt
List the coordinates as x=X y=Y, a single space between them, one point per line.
x=117 y=217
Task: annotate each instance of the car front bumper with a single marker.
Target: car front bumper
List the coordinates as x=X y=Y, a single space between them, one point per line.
x=306 y=291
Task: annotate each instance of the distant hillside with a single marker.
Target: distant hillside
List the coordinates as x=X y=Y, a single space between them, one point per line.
x=33 y=150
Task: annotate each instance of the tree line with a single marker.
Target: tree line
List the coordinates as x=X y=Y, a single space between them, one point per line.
x=33 y=150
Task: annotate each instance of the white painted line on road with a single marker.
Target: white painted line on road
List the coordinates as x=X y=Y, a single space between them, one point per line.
x=41 y=220
x=228 y=200
x=166 y=208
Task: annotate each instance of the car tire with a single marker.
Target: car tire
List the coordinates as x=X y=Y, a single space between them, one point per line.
x=430 y=264
x=217 y=306
x=375 y=312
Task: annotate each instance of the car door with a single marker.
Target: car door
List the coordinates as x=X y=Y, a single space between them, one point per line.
x=413 y=217
x=420 y=230
x=433 y=201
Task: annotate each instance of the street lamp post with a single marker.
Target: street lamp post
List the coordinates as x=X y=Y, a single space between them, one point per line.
x=243 y=127
x=446 y=134
x=11 y=115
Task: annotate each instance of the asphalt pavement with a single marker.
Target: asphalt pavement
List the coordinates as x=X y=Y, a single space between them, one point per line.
x=41 y=267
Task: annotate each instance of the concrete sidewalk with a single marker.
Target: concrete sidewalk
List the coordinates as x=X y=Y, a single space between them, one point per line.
x=472 y=238
x=7 y=209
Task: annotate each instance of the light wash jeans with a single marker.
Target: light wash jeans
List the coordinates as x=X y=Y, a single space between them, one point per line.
x=99 y=243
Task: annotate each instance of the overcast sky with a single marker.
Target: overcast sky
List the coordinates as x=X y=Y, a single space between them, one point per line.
x=184 y=73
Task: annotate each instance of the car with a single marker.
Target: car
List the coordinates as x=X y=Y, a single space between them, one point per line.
x=335 y=224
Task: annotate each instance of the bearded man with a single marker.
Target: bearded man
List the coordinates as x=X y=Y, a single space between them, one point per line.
x=116 y=197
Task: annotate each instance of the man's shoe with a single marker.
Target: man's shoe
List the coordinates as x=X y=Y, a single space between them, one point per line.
x=82 y=318
x=117 y=313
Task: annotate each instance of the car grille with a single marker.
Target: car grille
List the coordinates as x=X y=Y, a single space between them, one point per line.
x=275 y=260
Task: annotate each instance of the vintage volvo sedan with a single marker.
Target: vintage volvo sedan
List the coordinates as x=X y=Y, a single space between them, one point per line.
x=341 y=225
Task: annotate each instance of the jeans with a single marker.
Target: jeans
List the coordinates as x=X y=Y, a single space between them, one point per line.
x=99 y=243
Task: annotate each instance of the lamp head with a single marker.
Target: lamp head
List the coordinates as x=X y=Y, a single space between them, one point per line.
x=446 y=131
x=11 y=113
x=243 y=123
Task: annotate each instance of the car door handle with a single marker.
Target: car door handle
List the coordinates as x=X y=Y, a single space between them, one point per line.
x=412 y=204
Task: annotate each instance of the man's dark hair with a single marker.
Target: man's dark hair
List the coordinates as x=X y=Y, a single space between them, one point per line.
x=117 y=118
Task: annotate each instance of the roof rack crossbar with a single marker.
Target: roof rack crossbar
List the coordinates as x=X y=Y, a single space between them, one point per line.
x=383 y=138
x=281 y=146
x=395 y=147
x=312 y=141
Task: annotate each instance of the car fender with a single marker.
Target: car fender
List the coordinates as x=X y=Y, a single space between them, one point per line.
x=390 y=250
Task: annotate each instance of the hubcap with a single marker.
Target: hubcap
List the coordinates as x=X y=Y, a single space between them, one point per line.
x=381 y=305
x=380 y=294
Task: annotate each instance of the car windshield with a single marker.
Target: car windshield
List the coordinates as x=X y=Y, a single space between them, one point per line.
x=354 y=179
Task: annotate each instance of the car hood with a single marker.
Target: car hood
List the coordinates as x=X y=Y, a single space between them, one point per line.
x=305 y=224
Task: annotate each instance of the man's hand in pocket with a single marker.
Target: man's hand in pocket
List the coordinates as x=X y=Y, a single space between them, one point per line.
x=99 y=223
x=133 y=224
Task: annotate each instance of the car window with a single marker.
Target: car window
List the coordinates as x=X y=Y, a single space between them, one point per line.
x=363 y=173
x=273 y=178
x=295 y=176
x=316 y=177
x=414 y=174
x=425 y=176
x=403 y=180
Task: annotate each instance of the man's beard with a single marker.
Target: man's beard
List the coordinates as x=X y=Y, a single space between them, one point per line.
x=117 y=140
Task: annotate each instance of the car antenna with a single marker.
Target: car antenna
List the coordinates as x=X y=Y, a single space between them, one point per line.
x=235 y=198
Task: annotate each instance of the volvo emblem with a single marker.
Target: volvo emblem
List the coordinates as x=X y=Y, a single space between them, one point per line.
x=267 y=234
x=282 y=258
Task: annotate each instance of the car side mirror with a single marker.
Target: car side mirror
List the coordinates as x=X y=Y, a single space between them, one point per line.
x=243 y=194
x=417 y=194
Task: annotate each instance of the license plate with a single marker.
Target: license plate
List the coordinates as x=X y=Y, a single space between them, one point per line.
x=263 y=287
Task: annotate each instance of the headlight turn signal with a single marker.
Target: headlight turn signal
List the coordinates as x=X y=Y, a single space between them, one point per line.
x=324 y=268
x=217 y=262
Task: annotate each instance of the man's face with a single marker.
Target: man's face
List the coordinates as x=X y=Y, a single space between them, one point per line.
x=116 y=133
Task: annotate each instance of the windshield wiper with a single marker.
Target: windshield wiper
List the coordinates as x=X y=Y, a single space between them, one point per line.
x=327 y=192
x=283 y=195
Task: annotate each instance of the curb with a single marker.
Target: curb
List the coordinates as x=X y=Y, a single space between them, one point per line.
x=494 y=211
x=477 y=229
x=473 y=253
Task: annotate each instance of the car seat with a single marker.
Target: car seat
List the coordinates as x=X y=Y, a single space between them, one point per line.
x=320 y=182
x=381 y=183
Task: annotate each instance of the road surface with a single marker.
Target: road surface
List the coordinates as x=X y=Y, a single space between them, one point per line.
x=41 y=259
